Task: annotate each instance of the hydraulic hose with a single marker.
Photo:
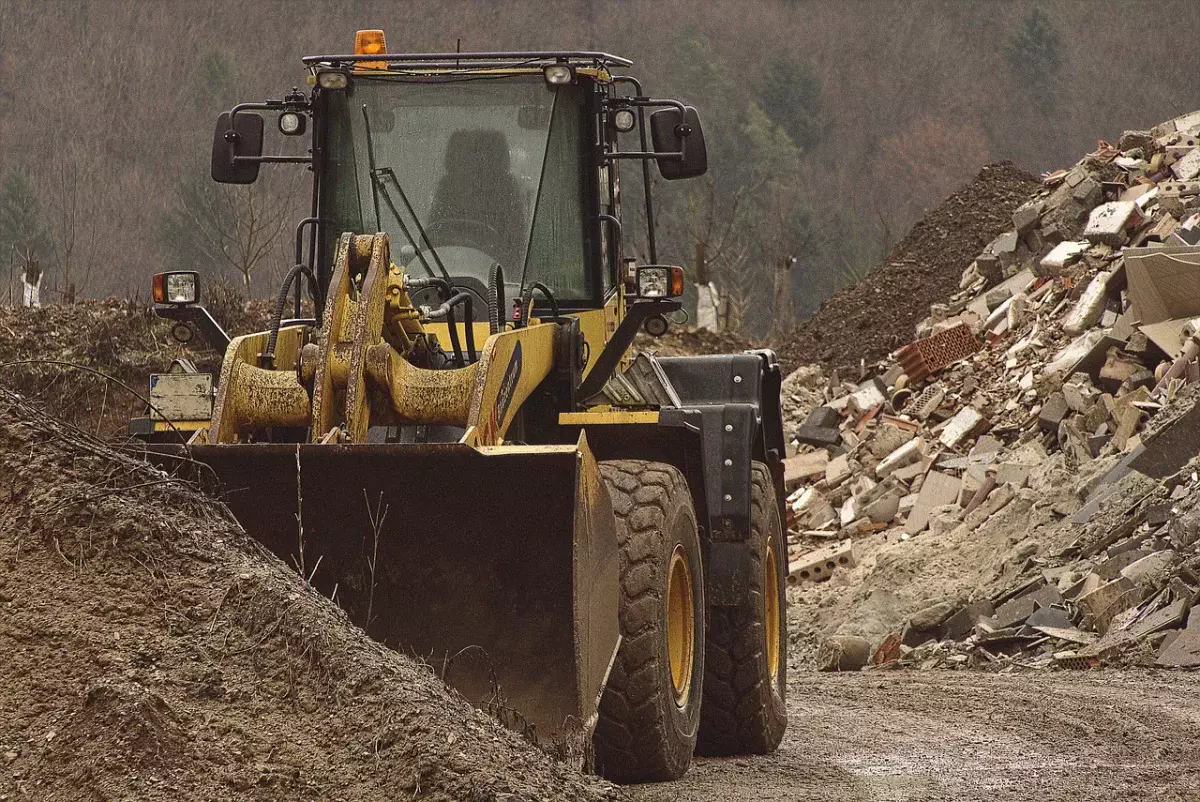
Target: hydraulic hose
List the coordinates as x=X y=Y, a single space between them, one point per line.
x=446 y=311
x=445 y=291
x=527 y=298
x=268 y=356
x=495 y=299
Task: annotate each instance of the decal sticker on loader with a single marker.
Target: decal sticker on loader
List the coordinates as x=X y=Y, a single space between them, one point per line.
x=508 y=386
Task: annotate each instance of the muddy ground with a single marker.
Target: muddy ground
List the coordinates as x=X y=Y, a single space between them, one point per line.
x=887 y=736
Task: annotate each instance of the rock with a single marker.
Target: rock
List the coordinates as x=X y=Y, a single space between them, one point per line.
x=838 y=470
x=887 y=439
x=1087 y=310
x=907 y=454
x=843 y=653
x=1053 y=412
x=1110 y=598
x=813 y=510
x=932 y=616
x=1150 y=570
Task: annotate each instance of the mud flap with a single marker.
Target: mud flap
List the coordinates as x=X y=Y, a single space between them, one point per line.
x=498 y=566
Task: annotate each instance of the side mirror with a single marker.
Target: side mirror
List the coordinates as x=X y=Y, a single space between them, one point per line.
x=679 y=132
x=244 y=138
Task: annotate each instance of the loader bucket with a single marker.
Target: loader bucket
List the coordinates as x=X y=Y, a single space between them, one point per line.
x=497 y=566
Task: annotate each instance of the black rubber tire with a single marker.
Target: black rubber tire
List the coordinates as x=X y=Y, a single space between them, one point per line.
x=745 y=712
x=642 y=734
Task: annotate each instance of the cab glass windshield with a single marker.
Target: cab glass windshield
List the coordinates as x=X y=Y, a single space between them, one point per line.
x=464 y=174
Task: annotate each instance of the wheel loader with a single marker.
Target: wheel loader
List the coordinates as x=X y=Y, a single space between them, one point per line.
x=458 y=445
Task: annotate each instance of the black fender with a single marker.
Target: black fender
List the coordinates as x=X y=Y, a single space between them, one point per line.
x=730 y=404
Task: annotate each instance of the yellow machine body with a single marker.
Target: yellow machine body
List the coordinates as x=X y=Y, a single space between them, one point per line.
x=495 y=562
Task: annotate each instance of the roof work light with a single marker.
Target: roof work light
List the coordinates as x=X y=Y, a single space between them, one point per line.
x=370 y=43
x=559 y=74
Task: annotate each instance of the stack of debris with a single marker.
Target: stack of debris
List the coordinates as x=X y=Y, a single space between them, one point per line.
x=1071 y=342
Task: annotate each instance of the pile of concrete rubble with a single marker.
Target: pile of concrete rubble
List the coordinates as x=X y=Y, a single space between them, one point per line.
x=1062 y=376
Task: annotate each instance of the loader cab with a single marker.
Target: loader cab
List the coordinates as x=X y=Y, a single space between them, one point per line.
x=464 y=174
x=473 y=161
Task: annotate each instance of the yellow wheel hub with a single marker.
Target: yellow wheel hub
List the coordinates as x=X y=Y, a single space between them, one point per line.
x=771 y=602
x=681 y=625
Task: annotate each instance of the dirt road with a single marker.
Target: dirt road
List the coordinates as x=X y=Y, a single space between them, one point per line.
x=895 y=737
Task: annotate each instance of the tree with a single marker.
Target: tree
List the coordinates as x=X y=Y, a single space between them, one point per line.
x=215 y=82
x=782 y=223
x=1033 y=57
x=932 y=158
x=76 y=230
x=791 y=95
x=23 y=231
x=218 y=227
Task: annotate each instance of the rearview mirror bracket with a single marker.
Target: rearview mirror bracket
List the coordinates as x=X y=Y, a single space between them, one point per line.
x=679 y=148
x=238 y=143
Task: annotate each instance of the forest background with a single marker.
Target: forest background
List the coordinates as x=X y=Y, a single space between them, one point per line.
x=831 y=126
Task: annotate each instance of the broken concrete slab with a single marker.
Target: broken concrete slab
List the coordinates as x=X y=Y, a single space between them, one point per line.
x=1027 y=215
x=1087 y=310
x=1150 y=570
x=964 y=620
x=804 y=468
x=1053 y=412
x=879 y=503
x=1168 y=335
x=1056 y=617
x=909 y=453
x=1164 y=283
x=1069 y=634
x=1120 y=637
x=1118 y=368
x=1184 y=650
x=1062 y=256
x=1171 y=447
x=961 y=427
x=1110 y=223
x=839 y=469
x=1106 y=601
x=938 y=490
x=812 y=510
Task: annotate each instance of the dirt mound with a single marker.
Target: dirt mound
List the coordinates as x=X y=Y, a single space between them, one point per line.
x=689 y=341
x=878 y=314
x=152 y=651
x=49 y=355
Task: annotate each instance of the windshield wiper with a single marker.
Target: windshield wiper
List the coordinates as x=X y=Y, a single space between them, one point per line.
x=378 y=186
x=377 y=177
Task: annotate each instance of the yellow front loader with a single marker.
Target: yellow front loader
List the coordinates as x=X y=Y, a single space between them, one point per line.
x=459 y=447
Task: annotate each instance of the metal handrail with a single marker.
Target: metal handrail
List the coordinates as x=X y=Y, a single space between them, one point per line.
x=551 y=57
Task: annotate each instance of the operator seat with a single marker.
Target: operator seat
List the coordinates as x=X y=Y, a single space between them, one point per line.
x=478 y=186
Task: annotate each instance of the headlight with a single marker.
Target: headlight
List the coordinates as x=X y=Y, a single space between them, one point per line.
x=653 y=282
x=624 y=120
x=176 y=288
x=333 y=79
x=659 y=281
x=291 y=123
x=559 y=74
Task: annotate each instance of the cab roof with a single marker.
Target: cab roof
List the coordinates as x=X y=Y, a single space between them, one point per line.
x=470 y=62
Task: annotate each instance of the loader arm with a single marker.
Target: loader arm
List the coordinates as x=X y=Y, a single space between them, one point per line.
x=495 y=562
